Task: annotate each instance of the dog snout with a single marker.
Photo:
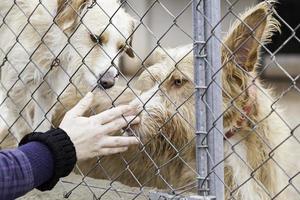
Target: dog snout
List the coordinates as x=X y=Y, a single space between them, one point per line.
x=107 y=80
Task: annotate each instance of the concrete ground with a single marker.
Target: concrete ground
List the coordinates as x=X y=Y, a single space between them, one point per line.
x=97 y=189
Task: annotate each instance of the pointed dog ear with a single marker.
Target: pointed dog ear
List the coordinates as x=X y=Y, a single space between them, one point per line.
x=253 y=29
x=68 y=13
x=129 y=50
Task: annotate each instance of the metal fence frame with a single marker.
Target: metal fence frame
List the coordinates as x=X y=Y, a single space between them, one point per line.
x=207 y=63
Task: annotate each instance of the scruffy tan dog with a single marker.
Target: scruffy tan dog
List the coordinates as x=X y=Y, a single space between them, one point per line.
x=260 y=162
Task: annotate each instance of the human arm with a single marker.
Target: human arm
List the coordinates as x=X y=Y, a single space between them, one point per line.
x=23 y=169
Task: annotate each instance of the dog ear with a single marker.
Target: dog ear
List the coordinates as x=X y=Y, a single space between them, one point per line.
x=68 y=13
x=129 y=50
x=253 y=29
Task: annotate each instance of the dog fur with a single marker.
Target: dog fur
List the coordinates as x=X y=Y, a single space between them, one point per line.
x=259 y=160
x=257 y=165
x=48 y=46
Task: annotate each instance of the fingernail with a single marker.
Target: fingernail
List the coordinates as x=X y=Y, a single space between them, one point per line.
x=124 y=149
x=129 y=118
x=136 y=141
x=131 y=112
x=134 y=106
x=138 y=119
x=135 y=120
x=89 y=95
x=127 y=108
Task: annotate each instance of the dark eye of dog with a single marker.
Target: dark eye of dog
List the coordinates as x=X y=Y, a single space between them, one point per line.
x=96 y=39
x=178 y=82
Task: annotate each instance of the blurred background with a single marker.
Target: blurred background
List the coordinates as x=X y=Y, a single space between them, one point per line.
x=169 y=23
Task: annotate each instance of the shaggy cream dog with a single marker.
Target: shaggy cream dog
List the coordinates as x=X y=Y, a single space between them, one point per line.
x=260 y=159
x=50 y=45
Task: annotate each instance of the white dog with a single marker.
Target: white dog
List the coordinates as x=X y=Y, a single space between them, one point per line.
x=50 y=45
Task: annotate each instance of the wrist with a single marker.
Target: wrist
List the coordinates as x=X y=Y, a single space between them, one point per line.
x=62 y=149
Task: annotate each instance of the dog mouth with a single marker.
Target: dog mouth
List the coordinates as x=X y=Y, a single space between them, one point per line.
x=145 y=130
x=132 y=130
x=135 y=130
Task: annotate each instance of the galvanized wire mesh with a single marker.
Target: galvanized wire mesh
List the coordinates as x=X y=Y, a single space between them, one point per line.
x=209 y=127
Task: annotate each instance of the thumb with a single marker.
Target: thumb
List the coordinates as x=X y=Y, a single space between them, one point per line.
x=82 y=105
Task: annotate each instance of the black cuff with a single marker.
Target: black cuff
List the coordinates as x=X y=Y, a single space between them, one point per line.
x=62 y=149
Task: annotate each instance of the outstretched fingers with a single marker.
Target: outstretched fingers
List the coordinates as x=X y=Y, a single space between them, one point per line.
x=119 y=141
x=112 y=114
x=110 y=151
x=119 y=123
x=81 y=106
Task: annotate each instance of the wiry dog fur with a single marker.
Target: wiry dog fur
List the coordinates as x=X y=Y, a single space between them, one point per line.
x=43 y=43
x=254 y=163
x=256 y=166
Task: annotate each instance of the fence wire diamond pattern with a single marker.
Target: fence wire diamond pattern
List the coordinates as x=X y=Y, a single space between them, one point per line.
x=200 y=73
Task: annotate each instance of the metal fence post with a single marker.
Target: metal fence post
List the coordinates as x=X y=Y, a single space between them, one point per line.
x=215 y=138
x=200 y=108
x=209 y=141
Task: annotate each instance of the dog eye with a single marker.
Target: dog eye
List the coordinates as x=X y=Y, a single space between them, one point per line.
x=96 y=39
x=178 y=82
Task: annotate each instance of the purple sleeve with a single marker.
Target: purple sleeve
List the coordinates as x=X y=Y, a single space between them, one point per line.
x=23 y=169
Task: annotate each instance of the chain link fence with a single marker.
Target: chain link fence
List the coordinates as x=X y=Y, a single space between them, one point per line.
x=200 y=72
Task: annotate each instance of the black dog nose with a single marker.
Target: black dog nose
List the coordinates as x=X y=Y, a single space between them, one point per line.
x=107 y=80
x=107 y=83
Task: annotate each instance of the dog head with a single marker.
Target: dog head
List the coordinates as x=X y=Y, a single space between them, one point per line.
x=98 y=33
x=167 y=96
x=168 y=89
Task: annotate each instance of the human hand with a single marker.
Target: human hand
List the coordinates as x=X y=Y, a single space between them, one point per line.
x=90 y=135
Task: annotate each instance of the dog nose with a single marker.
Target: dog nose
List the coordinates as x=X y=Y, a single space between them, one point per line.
x=107 y=83
x=107 y=80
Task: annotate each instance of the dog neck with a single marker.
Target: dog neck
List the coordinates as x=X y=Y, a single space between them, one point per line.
x=247 y=110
